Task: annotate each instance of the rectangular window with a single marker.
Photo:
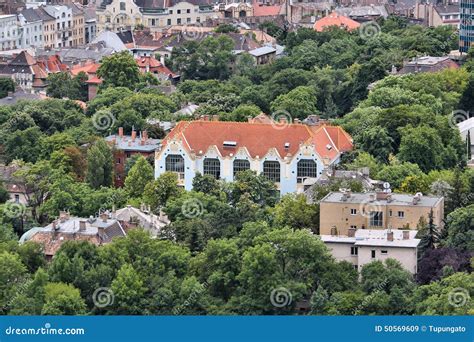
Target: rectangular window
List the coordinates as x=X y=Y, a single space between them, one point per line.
x=118 y=161
x=17 y=198
x=271 y=170
x=376 y=219
x=373 y=253
x=122 y=6
x=354 y=250
x=241 y=165
x=384 y=252
x=168 y=22
x=401 y=214
x=353 y=211
x=178 y=21
x=188 y=20
x=356 y=267
x=178 y=11
x=390 y=213
x=212 y=166
x=306 y=168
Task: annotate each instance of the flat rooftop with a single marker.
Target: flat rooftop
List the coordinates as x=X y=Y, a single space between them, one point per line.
x=375 y=237
x=397 y=199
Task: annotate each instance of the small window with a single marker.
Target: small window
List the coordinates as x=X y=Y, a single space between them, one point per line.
x=384 y=252
x=17 y=198
x=373 y=253
x=119 y=161
x=353 y=211
x=356 y=267
x=178 y=11
x=178 y=21
x=354 y=250
x=353 y=227
x=188 y=11
x=401 y=214
x=390 y=213
x=376 y=219
x=241 y=165
x=122 y=6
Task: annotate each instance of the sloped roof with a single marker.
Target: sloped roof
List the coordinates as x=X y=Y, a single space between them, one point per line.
x=258 y=138
x=31 y=15
x=335 y=19
x=262 y=10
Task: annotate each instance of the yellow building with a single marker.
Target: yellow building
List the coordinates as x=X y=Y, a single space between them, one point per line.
x=341 y=211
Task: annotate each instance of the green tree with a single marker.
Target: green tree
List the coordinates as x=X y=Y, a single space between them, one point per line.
x=377 y=142
x=129 y=292
x=99 y=165
x=159 y=191
x=459 y=228
x=139 y=176
x=299 y=102
x=294 y=211
x=119 y=70
x=62 y=299
x=6 y=85
x=429 y=235
x=12 y=273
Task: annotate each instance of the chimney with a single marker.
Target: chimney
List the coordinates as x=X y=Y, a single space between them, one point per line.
x=389 y=236
x=351 y=232
x=406 y=234
x=162 y=60
x=380 y=195
x=371 y=197
x=134 y=134
x=82 y=226
x=104 y=217
x=145 y=135
x=63 y=216
x=389 y=197
x=297 y=121
x=120 y=132
x=333 y=231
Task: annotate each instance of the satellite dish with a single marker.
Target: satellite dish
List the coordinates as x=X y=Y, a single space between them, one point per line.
x=386 y=185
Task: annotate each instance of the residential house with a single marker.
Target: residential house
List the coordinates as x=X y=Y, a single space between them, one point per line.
x=78 y=25
x=435 y=15
x=291 y=155
x=131 y=217
x=127 y=14
x=343 y=210
x=63 y=29
x=427 y=64
x=15 y=188
x=98 y=231
x=50 y=39
x=9 y=33
x=126 y=146
x=31 y=27
x=363 y=13
x=362 y=246
x=157 y=68
x=336 y=20
x=263 y=55
x=90 y=26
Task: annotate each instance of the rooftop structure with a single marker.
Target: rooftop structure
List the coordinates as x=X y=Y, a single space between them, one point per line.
x=337 y=20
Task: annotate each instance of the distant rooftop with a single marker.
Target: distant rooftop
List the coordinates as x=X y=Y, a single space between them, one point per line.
x=133 y=142
x=376 y=237
x=396 y=199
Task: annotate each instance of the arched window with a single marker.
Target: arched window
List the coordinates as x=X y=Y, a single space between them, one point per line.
x=212 y=166
x=241 y=165
x=271 y=169
x=306 y=168
x=242 y=14
x=175 y=163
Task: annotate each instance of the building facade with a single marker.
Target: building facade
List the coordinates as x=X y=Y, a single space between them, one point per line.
x=466 y=27
x=126 y=146
x=364 y=246
x=9 y=33
x=292 y=155
x=342 y=211
x=31 y=28
x=115 y=15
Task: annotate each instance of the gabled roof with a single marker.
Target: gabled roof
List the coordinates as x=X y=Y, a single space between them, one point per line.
x=45 y=16
x=23 y=59
x=335 y=19
x=259 y=138
x=30 y=15
x=262 y=10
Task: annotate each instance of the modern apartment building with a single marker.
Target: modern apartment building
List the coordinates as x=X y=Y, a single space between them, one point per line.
x=466 y=32
x=292 y=155
x=342 y=211
x=127 y=14
x=363 y=246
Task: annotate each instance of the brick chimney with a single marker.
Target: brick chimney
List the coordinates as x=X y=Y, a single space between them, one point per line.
x=104 y=217
x=120 y=132
x=82 y=226
x=134 y=134
x=406 y=234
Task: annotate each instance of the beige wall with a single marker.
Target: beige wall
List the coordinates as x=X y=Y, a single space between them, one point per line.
x=78 y=34
x=339 y=215
x=49 y=34
x=342 y=252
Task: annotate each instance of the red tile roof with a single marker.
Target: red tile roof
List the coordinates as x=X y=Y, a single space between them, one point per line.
x=262 y=10
x=88 y=69
x=335 y=19
x=151 y=64
x=259 y=138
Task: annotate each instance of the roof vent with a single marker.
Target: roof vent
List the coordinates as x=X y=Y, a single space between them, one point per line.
x=230 y=143
x=329 y=147
x=287 y=145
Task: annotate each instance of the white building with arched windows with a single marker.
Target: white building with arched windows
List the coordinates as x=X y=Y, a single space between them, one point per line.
x=293 y=156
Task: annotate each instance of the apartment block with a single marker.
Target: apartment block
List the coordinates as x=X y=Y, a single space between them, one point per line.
x=342 y=211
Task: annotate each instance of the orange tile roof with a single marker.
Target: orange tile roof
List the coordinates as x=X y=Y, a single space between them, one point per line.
x=88 y=69
x=94 y=80
x=335 y=19
x=259 y=138
x=262 y=10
